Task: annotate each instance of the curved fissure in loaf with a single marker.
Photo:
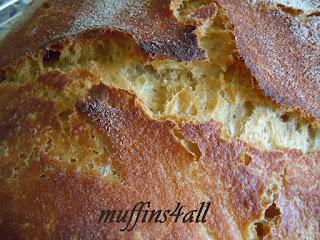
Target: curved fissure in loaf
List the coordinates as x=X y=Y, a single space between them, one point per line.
x=190 y=146
x=217 y=90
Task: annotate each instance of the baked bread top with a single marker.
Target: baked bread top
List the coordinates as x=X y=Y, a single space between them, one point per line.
x=279 y=44
x=104 y=104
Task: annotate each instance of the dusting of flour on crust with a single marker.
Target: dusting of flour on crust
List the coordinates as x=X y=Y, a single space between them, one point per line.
x=307 y=6
x=107 y=13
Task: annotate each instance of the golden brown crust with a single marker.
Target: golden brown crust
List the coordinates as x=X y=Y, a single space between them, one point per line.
x=71 y=146
x=282 y=52
x=150 y=22
x=55 y=80
x=52 y=198
x=204 y=13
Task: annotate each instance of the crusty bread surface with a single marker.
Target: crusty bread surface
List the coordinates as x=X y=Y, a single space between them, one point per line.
x=104 y=104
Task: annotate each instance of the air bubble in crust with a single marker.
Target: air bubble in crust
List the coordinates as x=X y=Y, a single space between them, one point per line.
x=51 y=56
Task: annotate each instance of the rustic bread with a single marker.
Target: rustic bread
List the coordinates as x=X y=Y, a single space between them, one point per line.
x=104 y=104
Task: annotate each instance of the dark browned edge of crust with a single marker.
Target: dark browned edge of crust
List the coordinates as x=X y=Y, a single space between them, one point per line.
x=161 y=35
x=289 y=72
x=158 y=33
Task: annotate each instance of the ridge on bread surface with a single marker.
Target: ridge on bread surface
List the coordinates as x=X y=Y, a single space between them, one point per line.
x=279 y=45
x=200 y=128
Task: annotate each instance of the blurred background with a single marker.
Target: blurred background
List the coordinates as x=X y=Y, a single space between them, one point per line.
x=9 y=11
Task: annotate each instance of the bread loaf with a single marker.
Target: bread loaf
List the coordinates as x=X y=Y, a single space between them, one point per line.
x=107 y=104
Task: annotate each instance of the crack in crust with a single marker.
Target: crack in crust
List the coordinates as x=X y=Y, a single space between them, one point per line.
x=282 y=52
x=150 y=22
x=65 y=202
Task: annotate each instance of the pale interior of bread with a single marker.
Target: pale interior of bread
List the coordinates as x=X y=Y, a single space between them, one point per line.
x=220 y=89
